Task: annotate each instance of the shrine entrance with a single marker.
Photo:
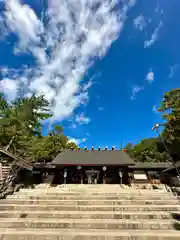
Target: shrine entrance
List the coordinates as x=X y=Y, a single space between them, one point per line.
x=92 y=176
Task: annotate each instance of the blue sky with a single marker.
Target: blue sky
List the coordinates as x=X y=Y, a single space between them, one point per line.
x=103 y=65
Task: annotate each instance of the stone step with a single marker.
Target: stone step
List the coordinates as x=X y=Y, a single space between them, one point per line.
x=89 y=193
x=71 y=234
x=85 y=197
x=90 y=202
x=93 y=191
x=80 y=186
x=98 y=190
x=89 y=224
x=98 y=195
x=90 y=215
x=98 y=186
x=42 y=185
x=34 y=207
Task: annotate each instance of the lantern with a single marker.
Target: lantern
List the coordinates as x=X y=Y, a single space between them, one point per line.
x=104 y=168
x=65 y=173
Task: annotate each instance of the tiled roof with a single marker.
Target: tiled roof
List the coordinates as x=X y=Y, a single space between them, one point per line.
x=93 y=157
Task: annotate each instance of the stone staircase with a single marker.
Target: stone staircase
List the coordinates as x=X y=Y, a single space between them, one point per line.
x=89 y=212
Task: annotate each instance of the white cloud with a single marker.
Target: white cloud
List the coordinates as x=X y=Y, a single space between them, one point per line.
x=139 y=22
x=154 y=36
x=173 y=70
x=81 y=119
x=87 y=134
x=74 y=125
x=9 y=87
x=84 y=140
x=159 y=10
x=100 y=109
x=22 y=20
x=150 y=76
x=135 y=90
x=76 y=33
x=74 y=140
x=77 y=140
x=86 y=86
x=4 y=71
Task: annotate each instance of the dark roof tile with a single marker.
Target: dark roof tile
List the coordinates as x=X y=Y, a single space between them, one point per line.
x=93 y=157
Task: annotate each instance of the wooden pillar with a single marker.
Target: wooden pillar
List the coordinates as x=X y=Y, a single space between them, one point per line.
x=89 y=178
x=130 y=177
x=65 y=176
x=120 y=176
x=80 y=173
x=148 y=177
x=103 y=177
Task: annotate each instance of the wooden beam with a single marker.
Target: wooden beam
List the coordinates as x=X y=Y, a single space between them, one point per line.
x=18 y=161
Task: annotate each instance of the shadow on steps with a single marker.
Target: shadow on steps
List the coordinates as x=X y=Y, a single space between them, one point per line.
x=176 y=216
x=176 y=226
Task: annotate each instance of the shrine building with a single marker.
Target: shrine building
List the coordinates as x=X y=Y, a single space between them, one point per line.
x=93 y=166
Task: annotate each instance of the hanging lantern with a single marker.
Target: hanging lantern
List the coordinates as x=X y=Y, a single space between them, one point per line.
x=79 y=168
x=104 y=168
x=120 y=174
x=65 y=173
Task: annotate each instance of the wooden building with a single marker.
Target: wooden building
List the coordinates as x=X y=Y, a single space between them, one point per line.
x=87 y=166
x=91 y=167
x=152 y=170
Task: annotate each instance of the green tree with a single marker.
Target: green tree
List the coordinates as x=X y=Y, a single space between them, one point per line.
x=21 y=129
x=129 y=149
x=72 y=145
x=170 y=108
x=148 y=150
x=20 y=120
x=129 y=146
x=48 y=147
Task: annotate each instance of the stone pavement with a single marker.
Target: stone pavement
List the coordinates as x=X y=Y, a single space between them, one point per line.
x=89 y=212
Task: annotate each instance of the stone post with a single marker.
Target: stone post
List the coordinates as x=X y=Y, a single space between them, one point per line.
x=82 y=177
x=89 y=179
x=104 y=174
x=65 y=176
x=120 y=176
x=80 y=171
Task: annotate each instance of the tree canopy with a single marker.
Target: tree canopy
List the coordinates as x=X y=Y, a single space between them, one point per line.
x=21 y=129
x=21 y=133
x=152 y=149
x=170 y=107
